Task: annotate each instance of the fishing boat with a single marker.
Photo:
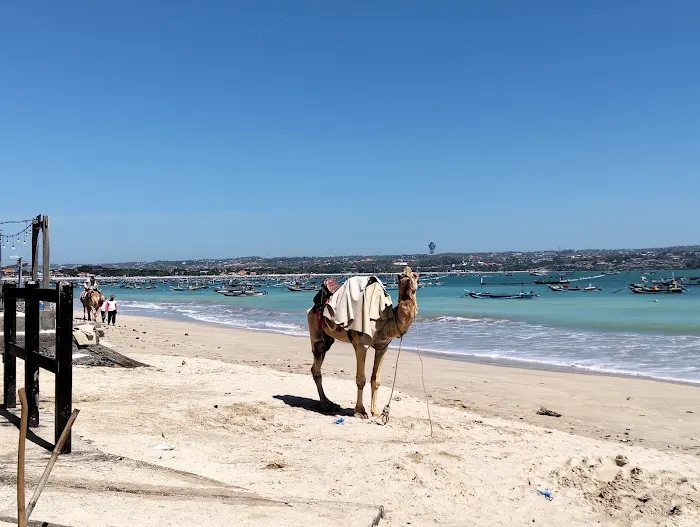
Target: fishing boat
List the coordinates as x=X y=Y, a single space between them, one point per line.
x=230 y=291
x=655 y=289
x=505 y=296
x=564 y=288
x=575 y=289
x=254 y=292
x=297 y=288
x=550 y=281
x=243 y=292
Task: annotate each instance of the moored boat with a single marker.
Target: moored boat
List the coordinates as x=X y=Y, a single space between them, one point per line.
x=575 y=289
x=551 y=281
x=504 y=296
x=301 y=288
x=655 y=289
x=565 y=287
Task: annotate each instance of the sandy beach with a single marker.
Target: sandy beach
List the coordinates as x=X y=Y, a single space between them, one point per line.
x=223 y=428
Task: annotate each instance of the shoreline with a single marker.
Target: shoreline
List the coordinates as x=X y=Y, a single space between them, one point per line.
x=630 y=410
x=451 y=356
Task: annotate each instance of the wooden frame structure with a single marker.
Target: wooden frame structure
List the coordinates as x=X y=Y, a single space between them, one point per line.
x=41 y=224
x=61 y=365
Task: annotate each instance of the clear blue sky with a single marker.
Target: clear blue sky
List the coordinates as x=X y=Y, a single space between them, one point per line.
x=180 y=129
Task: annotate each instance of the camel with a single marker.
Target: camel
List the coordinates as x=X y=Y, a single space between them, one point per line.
x=92 y=301
x=322 y=338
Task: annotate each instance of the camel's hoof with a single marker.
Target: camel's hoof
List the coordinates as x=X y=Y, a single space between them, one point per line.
x=362 y=414
x=375 y=413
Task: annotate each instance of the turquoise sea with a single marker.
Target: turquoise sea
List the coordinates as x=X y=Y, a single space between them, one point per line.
x=611 y=331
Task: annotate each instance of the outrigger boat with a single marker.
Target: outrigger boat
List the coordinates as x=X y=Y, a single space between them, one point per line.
x=575 y=289
x=663 y=286
x=521 y=295
x=694 y=281
x=246 y=292
x=301 y=288
x=549 y=281
x=518 y=296
x=655 y=289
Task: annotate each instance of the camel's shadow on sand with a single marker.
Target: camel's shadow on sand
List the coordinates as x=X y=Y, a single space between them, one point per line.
x=312 y=405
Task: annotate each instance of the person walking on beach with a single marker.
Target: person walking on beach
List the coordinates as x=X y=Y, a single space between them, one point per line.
x=104 y=308
x=111 y=311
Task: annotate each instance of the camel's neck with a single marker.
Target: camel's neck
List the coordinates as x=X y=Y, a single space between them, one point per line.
x=405 y=313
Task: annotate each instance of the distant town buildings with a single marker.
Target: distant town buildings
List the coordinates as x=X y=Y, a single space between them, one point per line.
x=566 y=260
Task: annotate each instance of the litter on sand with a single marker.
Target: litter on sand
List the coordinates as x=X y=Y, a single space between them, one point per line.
x=547 y=493
x=547 y=411
x=339 y=421
x=163 y=446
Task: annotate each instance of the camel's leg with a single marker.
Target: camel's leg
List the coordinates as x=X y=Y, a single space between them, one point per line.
x=360 y=378
x=320 y=344
x=376 y=377
x=319 y=350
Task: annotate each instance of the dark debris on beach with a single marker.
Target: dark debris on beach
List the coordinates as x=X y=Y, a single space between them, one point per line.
x=95 y=355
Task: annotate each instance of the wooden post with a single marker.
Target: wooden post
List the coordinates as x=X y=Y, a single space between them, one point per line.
x=64 y=361
x=21 y=504
x=10 y=362
x=52 y=461
x=46 y=256
x=36 y=226
x=31 y=344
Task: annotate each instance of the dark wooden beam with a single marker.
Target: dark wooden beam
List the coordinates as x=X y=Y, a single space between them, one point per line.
x=42 y=361
x=36 y=227
x=40 y=295
x=64 y=361
x=46 y=256
x=31 y=348
x=9 y=385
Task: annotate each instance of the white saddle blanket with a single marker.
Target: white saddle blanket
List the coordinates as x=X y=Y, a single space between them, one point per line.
x=359 y=306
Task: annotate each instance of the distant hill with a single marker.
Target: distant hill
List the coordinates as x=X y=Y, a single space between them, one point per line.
x=683 y=257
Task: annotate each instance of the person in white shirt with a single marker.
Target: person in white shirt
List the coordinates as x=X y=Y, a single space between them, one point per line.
x=89 y=285
x=111 y=311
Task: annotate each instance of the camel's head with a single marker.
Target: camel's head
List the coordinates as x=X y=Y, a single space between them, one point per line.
x=408 y=282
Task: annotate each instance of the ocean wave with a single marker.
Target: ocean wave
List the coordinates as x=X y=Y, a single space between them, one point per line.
x=239 y=321
x=134 y=304
x=661 y=374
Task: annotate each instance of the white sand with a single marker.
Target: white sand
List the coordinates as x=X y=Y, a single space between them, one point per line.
x=265 y=456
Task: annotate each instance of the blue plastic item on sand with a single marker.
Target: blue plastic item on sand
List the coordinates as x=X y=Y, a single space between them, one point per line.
x=339 y=421
x=547 y=493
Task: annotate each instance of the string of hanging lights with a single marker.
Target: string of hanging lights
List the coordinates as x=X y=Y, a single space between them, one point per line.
x=16 y=238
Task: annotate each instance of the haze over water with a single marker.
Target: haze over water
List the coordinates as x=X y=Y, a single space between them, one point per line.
x=609 y=331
